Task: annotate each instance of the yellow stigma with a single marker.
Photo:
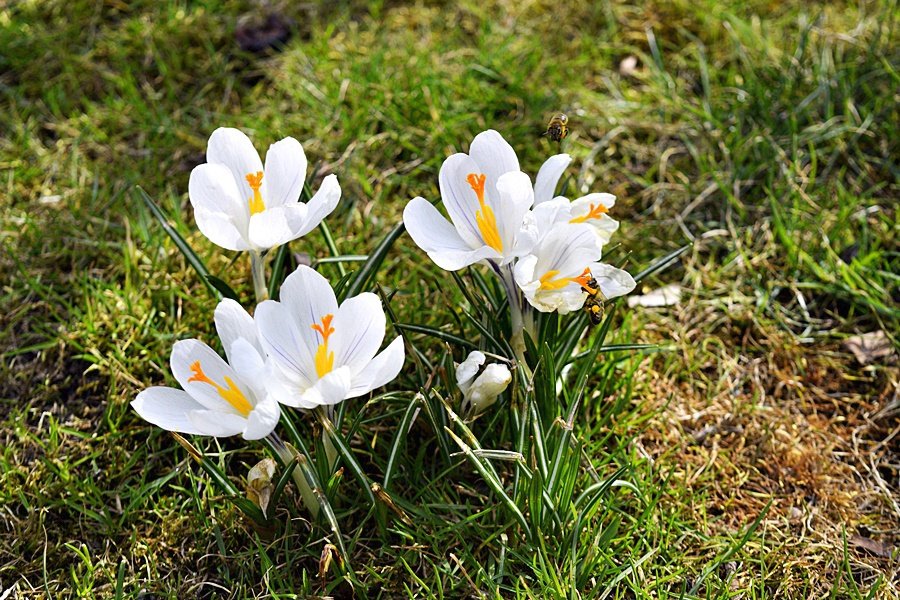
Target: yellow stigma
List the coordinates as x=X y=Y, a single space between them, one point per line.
x=232 y=394
x=256 y=202
x=594 y=213
x=550 y=282
x=324 y=358
x=487 y=222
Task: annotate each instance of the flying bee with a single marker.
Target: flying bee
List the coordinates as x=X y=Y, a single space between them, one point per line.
x=593 y=305
x=558 y=127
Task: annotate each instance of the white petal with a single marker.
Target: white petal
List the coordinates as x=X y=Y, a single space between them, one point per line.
x=468 y=369
x=285 y=388
x=220 y=229
x=284 y=344
x=275 y=226
x=262 y=420
x=494 y=156
x=232 y=148
x=459 y=198
x=515 y=198
x=434 y=234
x=358 y=331
x=212 y=187
x=329 y=390
x=613 y=282
x=322 y=204
x=187 y=353
x=308 y=297
x=217 y=424
x=568 y=249
x=548 y=177
x=548 y=214
x=247 y=360
x=383 y=369
x=167 y=408
x=234 y=323
x=484 y=391
x=284 y=173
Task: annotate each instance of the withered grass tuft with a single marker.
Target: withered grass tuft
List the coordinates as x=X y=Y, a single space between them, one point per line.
x=763 y=458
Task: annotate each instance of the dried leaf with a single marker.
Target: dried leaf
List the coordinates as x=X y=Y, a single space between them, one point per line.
x=668 y=295
x=870 y=347
x=871 y=546
x=259 y=483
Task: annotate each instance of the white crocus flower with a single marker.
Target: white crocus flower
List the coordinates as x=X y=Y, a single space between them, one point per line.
x=486 y=196
x=218 y=398
x=549 y=210
x=480 y=391
x=563 y=269
x=321 y=353
x=239 y=204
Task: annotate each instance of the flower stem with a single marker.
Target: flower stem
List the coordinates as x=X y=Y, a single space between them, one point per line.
x=517 y=338
x=258 y=267
x=287 y=455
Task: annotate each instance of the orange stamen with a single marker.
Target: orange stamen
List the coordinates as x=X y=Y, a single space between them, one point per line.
x=550 y=282
x=324 y=359
x=594 y=213
x=232 y=394
x=254 y=180
x=485 y=218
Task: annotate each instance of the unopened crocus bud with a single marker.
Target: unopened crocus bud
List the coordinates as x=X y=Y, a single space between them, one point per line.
x=480 y=386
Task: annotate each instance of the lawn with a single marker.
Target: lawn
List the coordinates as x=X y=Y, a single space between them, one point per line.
x=754 y=454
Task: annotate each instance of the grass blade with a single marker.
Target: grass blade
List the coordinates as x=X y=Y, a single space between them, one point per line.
x=180 y=243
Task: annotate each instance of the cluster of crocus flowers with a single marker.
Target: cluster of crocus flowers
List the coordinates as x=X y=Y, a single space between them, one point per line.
x=274 y=360
x=304 y=351
x=544 y=248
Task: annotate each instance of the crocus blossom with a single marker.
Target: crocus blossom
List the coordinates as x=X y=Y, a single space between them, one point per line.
x=218 y=398
x=480 y=390
x=239 y=204
x=486 y=197
x=550 y=210
x=563 y=270
x=321 y=353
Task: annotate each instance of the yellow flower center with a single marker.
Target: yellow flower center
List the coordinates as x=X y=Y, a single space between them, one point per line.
x=594 y=213
x=256 y=202
x=232 y=394
x=549 y=281
x=487 y=222
x=324 y=358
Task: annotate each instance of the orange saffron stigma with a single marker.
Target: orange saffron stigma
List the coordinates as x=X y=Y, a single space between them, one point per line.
x=232 y=394
x=324 y=359
x=549 y=282
x=584 y=279
x=254 y=180
x=484 y=218
x=594 y=213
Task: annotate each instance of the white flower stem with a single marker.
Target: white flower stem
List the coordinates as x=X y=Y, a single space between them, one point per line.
x=258 y=267
x=287 y=455
x=517 y=315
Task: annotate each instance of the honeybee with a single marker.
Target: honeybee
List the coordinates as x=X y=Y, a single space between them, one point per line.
x=593 y=305
x=558 y=127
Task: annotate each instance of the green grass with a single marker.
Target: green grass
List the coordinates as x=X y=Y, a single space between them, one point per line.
x=765 y=133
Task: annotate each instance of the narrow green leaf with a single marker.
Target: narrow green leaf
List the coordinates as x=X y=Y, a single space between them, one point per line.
x=371 y=266
x=223 y=288
x=399 y=439
x=441 y=335
x=346 y=454
x=180 y=243
x=663 y=262
x=279 y=265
